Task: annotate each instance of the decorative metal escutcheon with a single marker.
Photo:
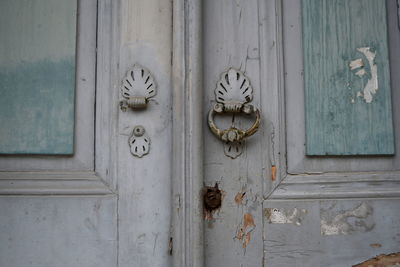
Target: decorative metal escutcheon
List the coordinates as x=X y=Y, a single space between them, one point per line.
x=233 y=93
x=139 y=142
x=137 y=88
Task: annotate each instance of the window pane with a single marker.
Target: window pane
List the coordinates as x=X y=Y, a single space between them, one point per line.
x=37 y=76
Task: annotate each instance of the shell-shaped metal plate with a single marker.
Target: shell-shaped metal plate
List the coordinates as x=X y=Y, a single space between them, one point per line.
x=138 y=82
x=233 y=87
x=139 y=142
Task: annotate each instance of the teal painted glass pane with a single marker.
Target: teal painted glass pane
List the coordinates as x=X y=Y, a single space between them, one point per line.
x=37 y=76
x=347 y=82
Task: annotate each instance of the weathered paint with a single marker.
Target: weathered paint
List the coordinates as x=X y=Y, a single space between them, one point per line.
x=335 y=222
x=303 y=245
x=341 y=37
x=290 y=216
x=37 y=76
x=372 y=86
x=244 y=230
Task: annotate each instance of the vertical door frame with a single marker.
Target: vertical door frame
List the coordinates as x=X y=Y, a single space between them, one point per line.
x=187 y=160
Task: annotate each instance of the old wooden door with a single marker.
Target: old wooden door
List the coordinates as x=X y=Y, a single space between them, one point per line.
x=318 y=184
x=76 y=188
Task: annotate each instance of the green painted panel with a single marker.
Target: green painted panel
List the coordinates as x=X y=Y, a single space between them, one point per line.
x=37 y=76
x=345 y=61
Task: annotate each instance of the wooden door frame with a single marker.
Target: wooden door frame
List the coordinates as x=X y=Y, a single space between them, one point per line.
x=187 y=144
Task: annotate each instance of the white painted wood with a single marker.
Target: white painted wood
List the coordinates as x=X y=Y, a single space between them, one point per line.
x=107 y=92
x=358 y=239
x=272 y=91
x=58 y=231
x=141 y=33
x=242 y=35
x=83 y=158
x=187 y=131
x=297 y=161
x=351 y=185
x=52 y=183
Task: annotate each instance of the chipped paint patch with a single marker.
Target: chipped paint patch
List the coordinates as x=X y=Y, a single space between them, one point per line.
x=273 y=172
x=389 y=260
x=355 y=64
x=244 y=232
x=371 y=87
x=334 y=222
x=240 y=197
x=361 y=73
x=290 y=216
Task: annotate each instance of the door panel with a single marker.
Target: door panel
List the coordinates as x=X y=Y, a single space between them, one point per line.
x=83 y=124
x=59 y=210
x=329 y=232
x=294 y=88
x=329 y=211
x=318 y=206
x=58 y=231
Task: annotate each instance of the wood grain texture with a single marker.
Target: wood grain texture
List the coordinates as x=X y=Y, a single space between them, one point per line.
x=58 y=231
x=37 y=76
x=297 y=160
x=302 y=244
x=338 y=120
x=231 y=38
x=143 y=35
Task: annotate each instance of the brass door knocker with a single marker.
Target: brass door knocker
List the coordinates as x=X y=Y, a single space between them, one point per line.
x=233 y=92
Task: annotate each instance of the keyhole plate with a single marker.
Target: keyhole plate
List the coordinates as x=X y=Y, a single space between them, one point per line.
x=139 y=142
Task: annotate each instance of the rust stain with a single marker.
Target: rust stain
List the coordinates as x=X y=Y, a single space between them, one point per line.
x=388 y=260
x=244 y=232
x=239 y=197
x=375 y=245
x=273 y=172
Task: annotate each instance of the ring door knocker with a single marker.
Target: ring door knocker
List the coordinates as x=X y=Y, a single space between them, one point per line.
x=232 y=94
x=137 y=88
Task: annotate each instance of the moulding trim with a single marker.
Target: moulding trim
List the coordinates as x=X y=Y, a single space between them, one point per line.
x=338 y=185
x=52 y=183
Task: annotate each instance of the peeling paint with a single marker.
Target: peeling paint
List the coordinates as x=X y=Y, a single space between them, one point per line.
x=244 y=232
x=361 y=73
x=239 y=197
x=389 y=260
x=355 y=64
x=371 y=87
x=338 y=223
x=375 y=245
x=290 y=216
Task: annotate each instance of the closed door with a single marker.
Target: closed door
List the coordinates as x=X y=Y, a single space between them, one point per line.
x=317 y=185
x=79 y=186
